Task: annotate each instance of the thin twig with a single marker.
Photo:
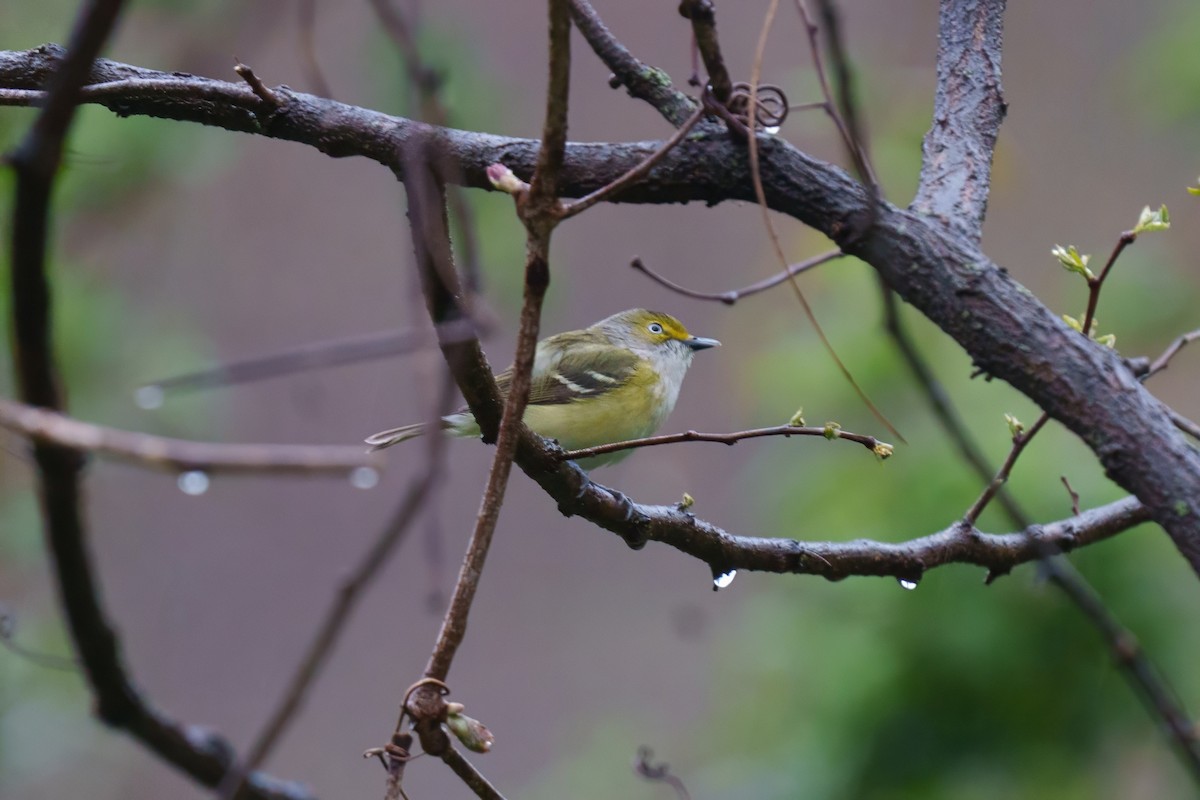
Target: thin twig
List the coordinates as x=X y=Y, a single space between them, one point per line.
x=8 y=629
x=760 y=194
x=847 y=104
x=704 y=28
x=1096 y=284
x=1020 y=442
x=307 y=11
x=1073 y=494
x=180 y=455
x=539 y=209
x=1160 y=699
x=943 y=407
x=660 y=772
x=831 y=431
x=635 y=174
x=814 y=47
x=471 y=776
x=1184 y=424
x=733 y=295
x=1164 y=360
x=640 y=80
x=316 y=355
x=330 y=630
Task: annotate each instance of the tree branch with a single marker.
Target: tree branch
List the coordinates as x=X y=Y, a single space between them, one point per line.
x=831 y=431
x=180 y=455
x=118 y=703
x=968 y=108
x=1004 y=328
x=641 y=81
x=733 y=295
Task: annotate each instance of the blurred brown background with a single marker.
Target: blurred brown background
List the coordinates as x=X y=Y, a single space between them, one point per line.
x=200 y=245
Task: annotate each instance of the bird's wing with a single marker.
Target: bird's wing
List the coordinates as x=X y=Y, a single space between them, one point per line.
x=583 y=373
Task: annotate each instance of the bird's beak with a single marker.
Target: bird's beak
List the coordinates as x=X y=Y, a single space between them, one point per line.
x=700 y=343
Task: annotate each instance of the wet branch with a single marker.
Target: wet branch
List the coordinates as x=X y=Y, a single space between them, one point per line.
x=181 y=455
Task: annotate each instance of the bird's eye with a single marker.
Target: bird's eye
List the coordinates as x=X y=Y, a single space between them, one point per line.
x=655 y=328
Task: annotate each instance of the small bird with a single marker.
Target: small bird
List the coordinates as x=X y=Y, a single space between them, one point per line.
x=617 y=380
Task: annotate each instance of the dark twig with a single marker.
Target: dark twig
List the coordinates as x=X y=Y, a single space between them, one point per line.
x=943 y=407
x=1164 y=360
x=8 y=629
x=1156 y=693
x=180 y=455
x=760 y=194
x=1020 y=442
x=831 y=431
x=658 y=772
x=1184 y=424
x=471 y=776
x=848 y=104
x=307 y=11
x=641 y=81
x=733 y=295
x=1096 y=283
x=704 y=28
x=345 y=600
x=828 y=103
x=1074 y=495
x=968 y=108
x=1022 y=438
x=317 y=355
x=539 y=209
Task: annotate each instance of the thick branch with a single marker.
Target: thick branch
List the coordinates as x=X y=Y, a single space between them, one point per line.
x=967 y=111
x=1003 y=327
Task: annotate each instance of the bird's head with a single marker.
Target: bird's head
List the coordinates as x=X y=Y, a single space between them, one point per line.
x=653 y=332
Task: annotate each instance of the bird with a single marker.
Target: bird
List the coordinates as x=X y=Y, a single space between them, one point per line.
x=613 y=381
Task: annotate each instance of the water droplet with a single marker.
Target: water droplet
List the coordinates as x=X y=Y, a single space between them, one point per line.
x=149 y=397
x=906 y=583
x=364 y=477
x=774 y=129
x=193 y=482
x=724 y=579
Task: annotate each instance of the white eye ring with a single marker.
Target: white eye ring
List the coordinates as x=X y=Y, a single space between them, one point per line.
x=655 y=328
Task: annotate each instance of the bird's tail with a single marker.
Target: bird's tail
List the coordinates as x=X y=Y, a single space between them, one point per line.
x=392 y=436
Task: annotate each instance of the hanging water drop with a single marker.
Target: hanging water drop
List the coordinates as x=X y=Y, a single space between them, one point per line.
x=194 y=482
x=364 y=477
x=906 y=583
x=724 y=579
x=149 y=397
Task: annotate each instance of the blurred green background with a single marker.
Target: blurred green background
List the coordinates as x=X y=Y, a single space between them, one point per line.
x=179 y=246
